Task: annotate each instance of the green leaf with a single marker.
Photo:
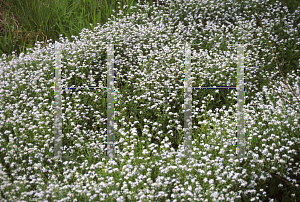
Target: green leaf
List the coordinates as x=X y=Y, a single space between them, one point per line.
x=274 y=189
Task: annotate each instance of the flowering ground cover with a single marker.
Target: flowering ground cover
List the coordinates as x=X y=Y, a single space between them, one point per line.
x=149 y=109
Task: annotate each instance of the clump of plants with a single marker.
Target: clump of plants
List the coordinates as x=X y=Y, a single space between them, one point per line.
x=149 y=65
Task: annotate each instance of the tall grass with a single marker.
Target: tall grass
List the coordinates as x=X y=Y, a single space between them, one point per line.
x=41 y=20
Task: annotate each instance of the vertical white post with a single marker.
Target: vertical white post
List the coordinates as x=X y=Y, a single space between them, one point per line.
x=187 y=101
x=57 y=93
x=241 y=143
x=240 y=103
x=110 y=101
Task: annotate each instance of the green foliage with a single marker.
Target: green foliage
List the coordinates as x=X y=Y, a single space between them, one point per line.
x=48 y=19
